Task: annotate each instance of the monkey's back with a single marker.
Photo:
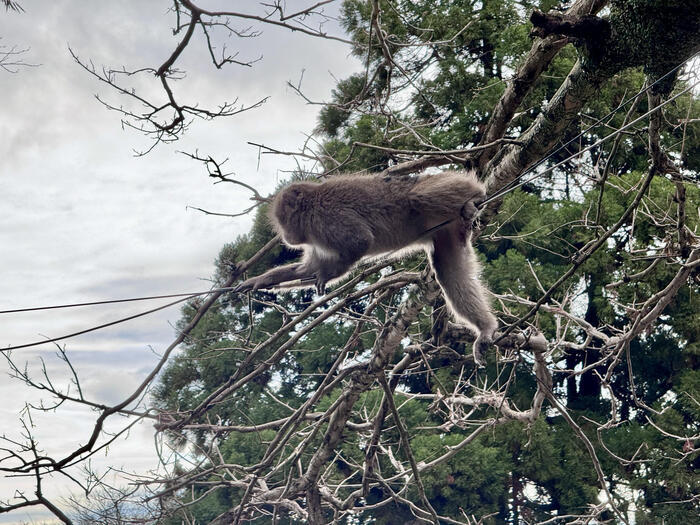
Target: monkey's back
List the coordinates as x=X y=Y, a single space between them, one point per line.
x=396 y=211
x=380 y=206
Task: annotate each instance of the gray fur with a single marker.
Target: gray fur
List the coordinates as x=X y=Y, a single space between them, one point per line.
x=346 y=218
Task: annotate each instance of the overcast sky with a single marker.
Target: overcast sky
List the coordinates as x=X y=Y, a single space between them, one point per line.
x=83 y=219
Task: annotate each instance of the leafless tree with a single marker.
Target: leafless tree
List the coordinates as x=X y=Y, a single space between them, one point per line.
x=11 y=57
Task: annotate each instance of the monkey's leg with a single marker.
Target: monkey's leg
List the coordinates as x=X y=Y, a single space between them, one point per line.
x=283 y=274
x=445 y=196
x=456 y=270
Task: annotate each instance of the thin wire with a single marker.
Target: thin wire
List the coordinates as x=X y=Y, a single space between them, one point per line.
x=92 y=329
x=112 y=301
x=508 y=189
x=510 y=186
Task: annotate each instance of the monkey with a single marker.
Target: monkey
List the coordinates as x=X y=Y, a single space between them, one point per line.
x=347 y=218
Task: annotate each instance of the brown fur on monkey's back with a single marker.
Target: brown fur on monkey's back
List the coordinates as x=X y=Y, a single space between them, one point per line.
x=397 y=210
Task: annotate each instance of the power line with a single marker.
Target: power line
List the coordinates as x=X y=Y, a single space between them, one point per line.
x=181 y=298
x=512 y=186
x=184 y=297
x=94 y=328
x=113 y=301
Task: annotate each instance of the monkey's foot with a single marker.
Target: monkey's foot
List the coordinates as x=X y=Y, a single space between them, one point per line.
x=320 y=287
x=479 y=348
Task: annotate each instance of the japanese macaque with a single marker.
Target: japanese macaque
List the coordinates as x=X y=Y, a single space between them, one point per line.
x=346 y=218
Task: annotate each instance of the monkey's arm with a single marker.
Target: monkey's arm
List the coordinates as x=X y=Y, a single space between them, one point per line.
x=316 y=271
x=345 y=244
x=283 y=274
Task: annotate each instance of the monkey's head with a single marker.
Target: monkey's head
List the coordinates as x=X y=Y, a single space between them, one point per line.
x=288 y=212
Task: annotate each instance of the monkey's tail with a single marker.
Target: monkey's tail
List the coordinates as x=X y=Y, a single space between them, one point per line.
x=457 y=269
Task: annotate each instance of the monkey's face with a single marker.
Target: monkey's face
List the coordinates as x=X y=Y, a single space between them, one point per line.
x=289 y=215
x=293 y=238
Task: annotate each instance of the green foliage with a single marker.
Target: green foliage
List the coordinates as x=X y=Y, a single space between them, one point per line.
x=656 y=40
x=347 y=94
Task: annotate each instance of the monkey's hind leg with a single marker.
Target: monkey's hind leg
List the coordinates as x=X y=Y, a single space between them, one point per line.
x=456 y=270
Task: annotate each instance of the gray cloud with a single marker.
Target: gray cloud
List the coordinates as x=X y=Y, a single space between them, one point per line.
x=83 y=219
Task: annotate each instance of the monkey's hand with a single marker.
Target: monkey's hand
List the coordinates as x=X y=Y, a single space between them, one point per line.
x=272 y=278
x=327 y=270
x=249 y=285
